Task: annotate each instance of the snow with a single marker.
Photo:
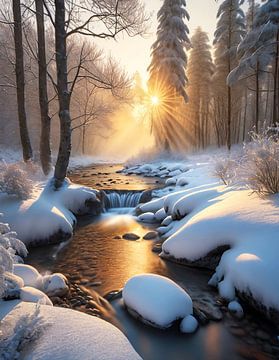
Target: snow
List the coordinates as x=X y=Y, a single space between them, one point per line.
x=206 y=215
x=235 y=308
x=189 y=324
x=157 y=299
x=47 y=212
x=29 y=275
x=148 y=217
x=70 y=335
x=30 y=294
x=51 y=284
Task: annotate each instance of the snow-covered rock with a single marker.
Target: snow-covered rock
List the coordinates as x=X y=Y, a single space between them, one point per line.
x=208 y=224
x=49 y=215
x=148 y=217
x=55 y=284
x=171 y=181
x=182 y=181
x=189 y=324
x=29 y=275
x=235 y=308
x=51 y=284
x=167 y=221
x=160 y=215
x=156 y=300
x=70 y=335
x=30 y=294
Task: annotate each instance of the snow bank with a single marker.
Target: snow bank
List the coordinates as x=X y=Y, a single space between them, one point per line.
x=71 y=335
x=30 y=294
x=48 y=213
x=157 y=300
x=207 y=215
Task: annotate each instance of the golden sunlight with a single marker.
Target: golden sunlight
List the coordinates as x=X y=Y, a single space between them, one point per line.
x=155 y=100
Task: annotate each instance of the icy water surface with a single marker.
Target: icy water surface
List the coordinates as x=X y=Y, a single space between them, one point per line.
x=98 y=258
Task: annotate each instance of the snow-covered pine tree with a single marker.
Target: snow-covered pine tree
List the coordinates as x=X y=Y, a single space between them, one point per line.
x=229 y=33
x=250 y=67
x=167 y=71
x=267 y=20
x=199 y=71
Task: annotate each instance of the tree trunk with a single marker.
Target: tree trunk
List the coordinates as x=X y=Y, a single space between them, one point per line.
x=275 y=94
x=83 y=140
x=45 y=151
x=257 y=99
x=229 y=119
x=63 y=95
x=20 y=84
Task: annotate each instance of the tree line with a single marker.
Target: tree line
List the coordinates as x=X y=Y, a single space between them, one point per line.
x=216 y=94
x=47 y=54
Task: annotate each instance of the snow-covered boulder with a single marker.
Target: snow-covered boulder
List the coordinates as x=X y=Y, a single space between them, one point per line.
x=29 y=275
x=182 y=181
x=12 y=285
x=70 y=335
x=189 y=324
x=167 y=221
x=30 y=294
x=52 y=284
x=171 y=181
x=236 y=309
x=55 y=284
x=49 y=216
x=148 y=217
x=156 y=300
x=160 y=215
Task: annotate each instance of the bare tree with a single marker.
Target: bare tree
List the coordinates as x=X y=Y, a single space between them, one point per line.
x=45 y=151
x=113 y=17
x=20 y=82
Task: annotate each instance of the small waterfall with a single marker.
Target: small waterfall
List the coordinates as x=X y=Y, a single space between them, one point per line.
x=122 y=199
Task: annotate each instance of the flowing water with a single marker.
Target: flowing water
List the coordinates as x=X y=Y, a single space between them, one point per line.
x=98 y=258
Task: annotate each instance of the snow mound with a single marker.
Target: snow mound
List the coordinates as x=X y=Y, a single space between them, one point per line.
x=48 y=213
x=30 y=294
x=148 y=217
x=51 y=284
x=72 y=335
x=189 y=324
x=156 y=300
x=235 y=308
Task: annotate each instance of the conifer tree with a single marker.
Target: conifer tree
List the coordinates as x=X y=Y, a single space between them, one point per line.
x=229 y=33
x=199 y=72
x=168 y=71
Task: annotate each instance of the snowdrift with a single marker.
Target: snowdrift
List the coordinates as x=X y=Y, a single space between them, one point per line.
x=49 y=215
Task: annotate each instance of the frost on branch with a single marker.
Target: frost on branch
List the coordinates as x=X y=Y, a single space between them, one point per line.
x=15 y=336
x=262 y=163
x=14 y=181
x=11 y=251
x=225 y=170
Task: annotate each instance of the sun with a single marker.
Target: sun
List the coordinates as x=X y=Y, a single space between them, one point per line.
x=155 y=100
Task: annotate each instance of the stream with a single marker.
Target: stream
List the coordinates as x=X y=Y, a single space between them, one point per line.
x=98 y=258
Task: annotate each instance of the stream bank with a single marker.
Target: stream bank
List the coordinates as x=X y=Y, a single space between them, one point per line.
x=99 y=259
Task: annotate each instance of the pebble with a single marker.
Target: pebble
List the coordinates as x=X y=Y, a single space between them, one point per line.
x=260 y=334
x=157 y=248
x=130 y=236
x=151 y=235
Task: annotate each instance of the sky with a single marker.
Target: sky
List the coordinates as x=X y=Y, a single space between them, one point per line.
x=134 y=53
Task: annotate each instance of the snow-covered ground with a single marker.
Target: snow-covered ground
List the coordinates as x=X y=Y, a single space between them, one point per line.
x=62 y=334
x=199 y=214
x=47 y=212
